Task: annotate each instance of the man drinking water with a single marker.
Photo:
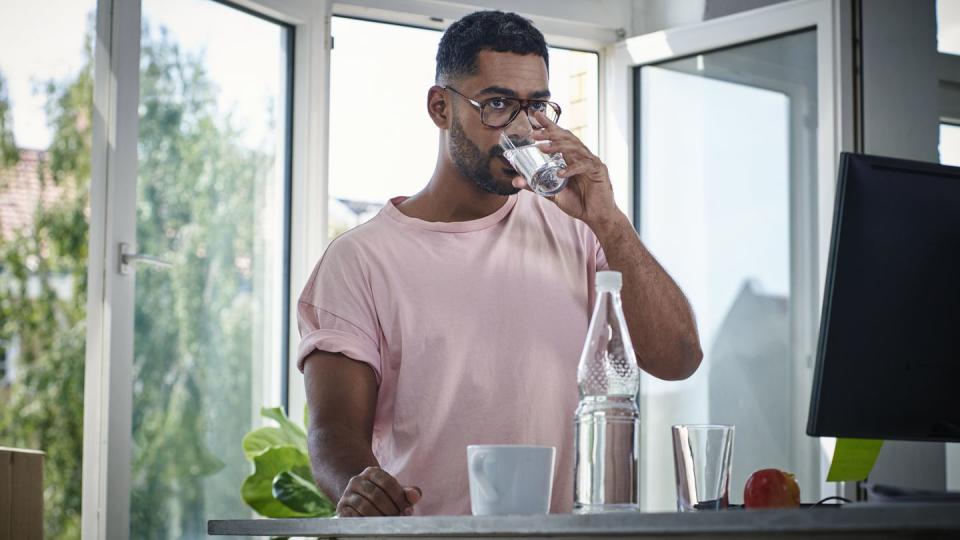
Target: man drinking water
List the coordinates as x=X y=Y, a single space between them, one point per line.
x=456 y=316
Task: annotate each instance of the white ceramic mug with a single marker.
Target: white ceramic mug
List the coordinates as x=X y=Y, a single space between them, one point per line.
x=510 y=479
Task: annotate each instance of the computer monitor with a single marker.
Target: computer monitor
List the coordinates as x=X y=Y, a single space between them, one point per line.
x=888 y=359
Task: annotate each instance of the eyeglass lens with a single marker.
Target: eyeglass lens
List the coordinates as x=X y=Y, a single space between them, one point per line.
x=503 y=115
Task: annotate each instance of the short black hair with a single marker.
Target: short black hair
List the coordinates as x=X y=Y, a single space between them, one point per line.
x=486 y=30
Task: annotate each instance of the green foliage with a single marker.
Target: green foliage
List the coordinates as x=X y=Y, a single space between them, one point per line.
x=44 y=408
x=8 y=147
x=281 y=485
x=193 y=356
x=300 y=493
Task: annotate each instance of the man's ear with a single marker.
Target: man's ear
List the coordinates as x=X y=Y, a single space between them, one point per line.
x=438 y=107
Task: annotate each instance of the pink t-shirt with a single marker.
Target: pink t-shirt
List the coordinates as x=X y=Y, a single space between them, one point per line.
x=473 y=330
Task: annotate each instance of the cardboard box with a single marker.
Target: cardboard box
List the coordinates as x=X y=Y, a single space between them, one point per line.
x=21 y=494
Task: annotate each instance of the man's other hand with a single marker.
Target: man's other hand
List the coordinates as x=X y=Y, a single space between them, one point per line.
x=374 y=492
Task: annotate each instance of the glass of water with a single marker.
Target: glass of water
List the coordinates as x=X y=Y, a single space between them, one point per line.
x=539 y=169
x=702 y=455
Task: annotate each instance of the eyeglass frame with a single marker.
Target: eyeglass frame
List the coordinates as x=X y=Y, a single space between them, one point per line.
x=524 y=104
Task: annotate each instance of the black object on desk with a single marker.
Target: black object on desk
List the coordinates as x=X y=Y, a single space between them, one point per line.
x=888 y=359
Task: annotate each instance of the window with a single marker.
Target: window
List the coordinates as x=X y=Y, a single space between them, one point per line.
x=213 y=180
x=948 y=26
x=377 y=101
x=950 y=144
x=727 y=143
x=46 y=108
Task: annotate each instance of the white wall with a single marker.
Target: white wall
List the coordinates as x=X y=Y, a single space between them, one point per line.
x=598 y=21
x=652 y=15
x=604 y=21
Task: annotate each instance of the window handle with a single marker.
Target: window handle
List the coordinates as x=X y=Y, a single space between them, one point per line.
x=128 y=257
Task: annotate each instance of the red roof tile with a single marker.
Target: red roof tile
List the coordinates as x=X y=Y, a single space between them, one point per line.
x=22 y=189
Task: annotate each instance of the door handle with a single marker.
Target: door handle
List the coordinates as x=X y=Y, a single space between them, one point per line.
x=128 y=258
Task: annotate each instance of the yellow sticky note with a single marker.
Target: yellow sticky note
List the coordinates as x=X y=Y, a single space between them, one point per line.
x=853 y=459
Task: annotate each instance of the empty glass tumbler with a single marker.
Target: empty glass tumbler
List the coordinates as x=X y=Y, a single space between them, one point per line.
x=702 y=455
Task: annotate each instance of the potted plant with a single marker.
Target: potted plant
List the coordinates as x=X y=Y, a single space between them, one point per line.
x=281 y=485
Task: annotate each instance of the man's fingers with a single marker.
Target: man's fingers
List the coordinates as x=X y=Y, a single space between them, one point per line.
x=361 y=505
x=550 y=129
x=345 y=510
x=389 y=485
x=413 y=494
x=543 y=120
x=569 y=149
x=579 y=167
x=373 y=493
x=362 y=486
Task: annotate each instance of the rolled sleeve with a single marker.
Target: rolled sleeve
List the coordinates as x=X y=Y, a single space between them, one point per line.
x=350 y=344
x=336 y=310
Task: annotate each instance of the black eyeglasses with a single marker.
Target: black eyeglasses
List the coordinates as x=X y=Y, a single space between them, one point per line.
x=498 y=112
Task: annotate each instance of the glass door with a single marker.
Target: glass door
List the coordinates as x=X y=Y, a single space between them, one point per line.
x=733 y=146
x=212 y=184
x=716 y=209
x=190 y=249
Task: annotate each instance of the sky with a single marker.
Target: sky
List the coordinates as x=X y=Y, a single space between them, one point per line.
x=29 y=56
x=242 y=45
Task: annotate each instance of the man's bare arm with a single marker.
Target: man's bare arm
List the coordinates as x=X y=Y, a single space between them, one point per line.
x=342 y=398
x=658 y=315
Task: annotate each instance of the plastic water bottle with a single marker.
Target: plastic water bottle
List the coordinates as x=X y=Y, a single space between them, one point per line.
x=607 y=474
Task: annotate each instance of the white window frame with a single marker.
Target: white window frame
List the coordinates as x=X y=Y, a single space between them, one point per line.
x=438 y=15
x=108 y=386
x=811 y=225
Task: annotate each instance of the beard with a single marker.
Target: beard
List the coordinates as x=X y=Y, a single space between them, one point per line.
x=474 y=164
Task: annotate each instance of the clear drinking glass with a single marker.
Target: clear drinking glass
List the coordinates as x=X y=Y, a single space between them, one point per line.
x=701 y=456
x=539 y=169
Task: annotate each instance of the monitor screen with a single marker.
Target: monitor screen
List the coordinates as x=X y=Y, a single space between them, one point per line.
x=888 y=358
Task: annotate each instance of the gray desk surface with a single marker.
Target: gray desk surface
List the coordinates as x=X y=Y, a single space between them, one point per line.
x=855 y=521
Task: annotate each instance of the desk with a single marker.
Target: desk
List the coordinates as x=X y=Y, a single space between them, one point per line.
x=864 y=521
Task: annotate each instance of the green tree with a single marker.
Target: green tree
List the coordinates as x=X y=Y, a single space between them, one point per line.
x=44 y=407
x=198 y=186
x=8 y=148
x=197 y=189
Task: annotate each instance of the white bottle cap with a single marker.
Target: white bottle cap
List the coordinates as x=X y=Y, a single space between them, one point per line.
x=609 y=281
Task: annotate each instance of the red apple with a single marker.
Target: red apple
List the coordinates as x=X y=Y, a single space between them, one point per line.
x=771 y=488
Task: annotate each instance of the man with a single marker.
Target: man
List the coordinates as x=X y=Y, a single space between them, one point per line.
x=456 y=316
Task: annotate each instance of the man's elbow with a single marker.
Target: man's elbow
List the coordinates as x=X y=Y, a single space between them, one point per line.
x=689 y=358
x=678 y=364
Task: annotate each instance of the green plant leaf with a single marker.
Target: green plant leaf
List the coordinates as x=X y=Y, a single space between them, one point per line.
x=293 y=430
x=300 y=494
x=262 y=439
x=257 y=489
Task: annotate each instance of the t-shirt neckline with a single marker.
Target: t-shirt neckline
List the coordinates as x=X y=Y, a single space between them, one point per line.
x=391 y=210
